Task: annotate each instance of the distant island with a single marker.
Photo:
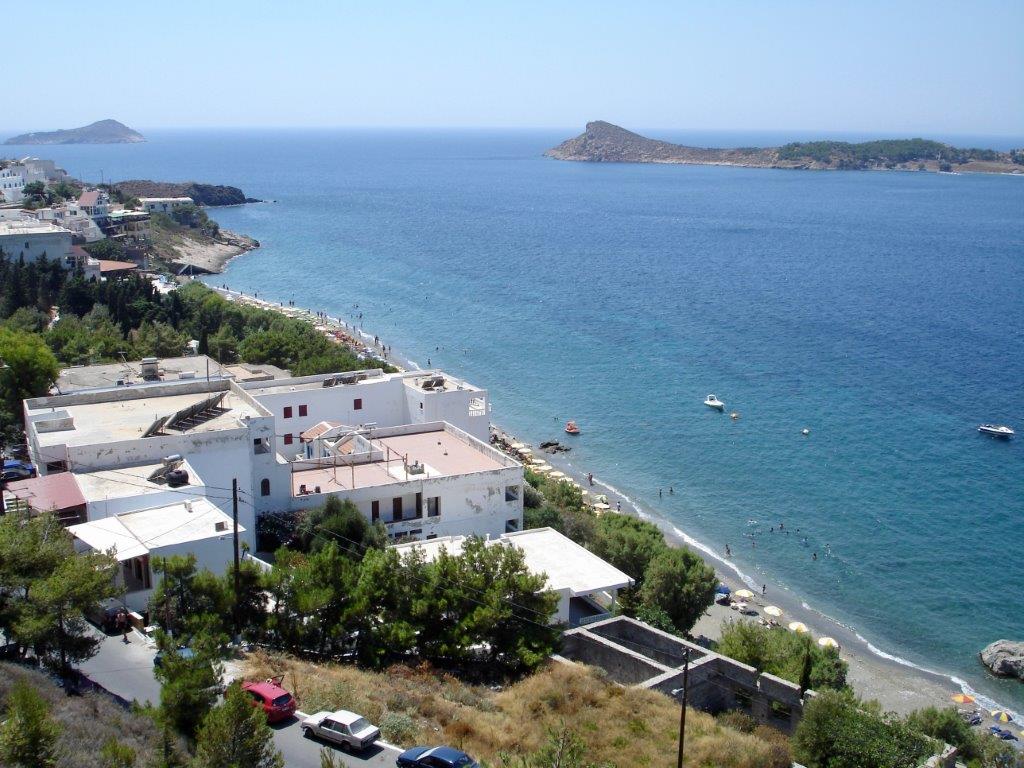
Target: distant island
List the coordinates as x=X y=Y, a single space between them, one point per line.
x=100 y=132
x=603 y=142
x=201 y=194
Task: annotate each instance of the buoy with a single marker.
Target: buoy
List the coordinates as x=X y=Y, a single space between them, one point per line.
x=805 y=431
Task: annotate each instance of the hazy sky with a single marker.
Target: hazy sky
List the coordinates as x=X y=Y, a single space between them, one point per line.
x=931 y=66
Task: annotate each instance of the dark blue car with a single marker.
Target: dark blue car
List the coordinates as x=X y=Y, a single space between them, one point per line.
x=435 y=757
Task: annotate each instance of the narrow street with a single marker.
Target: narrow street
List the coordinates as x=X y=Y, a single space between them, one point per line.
x=126 y=670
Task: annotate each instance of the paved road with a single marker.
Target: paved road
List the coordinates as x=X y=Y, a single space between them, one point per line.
x=127 y=671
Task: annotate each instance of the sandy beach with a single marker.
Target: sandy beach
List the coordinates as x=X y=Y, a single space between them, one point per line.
x=896 y=686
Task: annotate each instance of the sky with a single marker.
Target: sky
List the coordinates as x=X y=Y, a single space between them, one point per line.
x=898 y=66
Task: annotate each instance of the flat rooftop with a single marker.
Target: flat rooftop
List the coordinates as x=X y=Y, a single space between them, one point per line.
x=33 y=227
x=128 y=418
x=441 y=452
x=128 y=481
x=81 y=377
x=568 y=566
x=134 y=534
x=304 y=383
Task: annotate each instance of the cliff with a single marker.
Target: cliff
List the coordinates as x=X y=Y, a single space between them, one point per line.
x=201 y=194
x=603 y=142
x=101 y=132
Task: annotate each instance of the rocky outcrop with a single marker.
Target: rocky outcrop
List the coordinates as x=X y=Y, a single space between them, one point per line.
x=603 y=142
x=1005 y=658
x=201 y=194
x=100 y=132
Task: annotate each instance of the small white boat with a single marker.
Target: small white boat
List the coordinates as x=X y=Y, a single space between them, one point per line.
x=712 y=401
x=996 y=430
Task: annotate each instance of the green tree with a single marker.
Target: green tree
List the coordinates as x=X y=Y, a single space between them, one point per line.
x=223 y=345
x=187 y=602
x=628 y=543
x=947 y=726
x=236 y=735
x=386 y=611
x=27 y=369
x=787 y=655
x=117 y=755
x=28 y=735
x=681 y=584
x=341 y=522
x=188 y=684
x=839 y=731
x=160 y=340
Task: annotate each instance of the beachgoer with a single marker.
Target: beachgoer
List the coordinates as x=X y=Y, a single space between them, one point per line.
x=590 y=477
x=618 y=506
x=428 y=362
x=782 y=527
x=670 y=490
x=814 y=556
x=659 y=493
x=728 y=552
x=764 y=588
x=121 y=622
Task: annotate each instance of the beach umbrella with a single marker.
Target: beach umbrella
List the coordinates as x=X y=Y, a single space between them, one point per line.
x=798 y=626
x=1001 y=716
x=827 y=642
x=556 y=474
x=537 y=462
x=542 y=468
x=524 y=451
x=585 y=493
x=602 y=498
x=517 y=446
x=962 y=698
x=772 y=610
x=722 y=589
x=743 y=594
x=602 y=506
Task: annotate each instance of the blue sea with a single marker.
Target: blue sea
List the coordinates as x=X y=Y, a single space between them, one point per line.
x=884 y=312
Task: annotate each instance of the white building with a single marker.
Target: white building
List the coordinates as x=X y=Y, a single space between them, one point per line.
x=31 y=239
x=14 y=177
x=586 y=585
x=186 y=526
x=73 y=218
x=147 y=445
x=166 y=205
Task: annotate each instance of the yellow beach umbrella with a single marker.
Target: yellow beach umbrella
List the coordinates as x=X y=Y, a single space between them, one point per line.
x=772 y=610
x=798 y=626
x=962 y=698
x=827 y=642
x=743 y=594
x=1001 y=716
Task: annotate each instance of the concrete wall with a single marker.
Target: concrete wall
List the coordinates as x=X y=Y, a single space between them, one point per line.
x=32 y=246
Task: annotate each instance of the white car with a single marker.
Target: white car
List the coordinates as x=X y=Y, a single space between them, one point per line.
x=344 y=728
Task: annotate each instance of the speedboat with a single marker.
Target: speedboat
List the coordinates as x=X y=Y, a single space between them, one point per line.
x=712 y=401
x=571 y=428
x=996 y=430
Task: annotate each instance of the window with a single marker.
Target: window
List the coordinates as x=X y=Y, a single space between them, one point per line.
x=433 y=506
x=396 y=508
x=374 y=511
x=511 y=493
x=264 y=487
x=419 y=505
x=288 y=439
x=357 y=404
x=303 y=410
x=287 y=411
x=56 y=466
x=511 y=526
x=431 y=536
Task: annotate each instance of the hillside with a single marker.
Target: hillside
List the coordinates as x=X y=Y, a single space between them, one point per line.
x=101 y=132
x=603 y=142
x=201 y=194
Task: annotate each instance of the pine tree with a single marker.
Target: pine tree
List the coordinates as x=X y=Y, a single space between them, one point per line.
x=28 y=737
x=236 y=734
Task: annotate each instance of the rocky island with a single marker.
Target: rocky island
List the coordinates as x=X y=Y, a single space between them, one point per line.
x=100 y=132
x=604 y=142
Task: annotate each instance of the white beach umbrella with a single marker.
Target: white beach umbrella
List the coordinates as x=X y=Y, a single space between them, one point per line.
x=537 y=462
x=517 y=446
x=557 y=474
x=542 y=468
x=798 y=626
x=772 y=610
x=601 y=506
x=743 y=594
x=827 y=642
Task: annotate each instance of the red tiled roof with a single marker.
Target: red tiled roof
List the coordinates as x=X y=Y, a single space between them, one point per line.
x=108 y=265
x=49 y=492
x=89 y=197
x=318 y=429
x=79 y=252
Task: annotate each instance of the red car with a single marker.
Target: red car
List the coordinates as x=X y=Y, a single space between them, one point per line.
x=271 y=698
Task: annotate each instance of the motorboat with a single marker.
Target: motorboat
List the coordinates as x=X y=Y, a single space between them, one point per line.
x=712 y=401
x=571 y=428
x=996 y=430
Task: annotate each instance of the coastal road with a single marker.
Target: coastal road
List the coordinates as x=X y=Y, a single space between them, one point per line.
x=126 y=670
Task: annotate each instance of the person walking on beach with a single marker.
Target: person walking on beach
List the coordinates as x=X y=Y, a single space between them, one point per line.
x=590 y=478
x=764 y=588
x=618 y=506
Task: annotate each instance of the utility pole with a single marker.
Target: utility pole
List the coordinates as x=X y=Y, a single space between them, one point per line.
x=234 y=515
x=682 y=710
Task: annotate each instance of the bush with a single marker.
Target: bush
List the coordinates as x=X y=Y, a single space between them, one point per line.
x=397 y=727
x=784 y=654
x=681 y=584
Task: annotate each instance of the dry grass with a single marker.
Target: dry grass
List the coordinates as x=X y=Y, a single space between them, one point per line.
x=619 y=726
x=86 y=722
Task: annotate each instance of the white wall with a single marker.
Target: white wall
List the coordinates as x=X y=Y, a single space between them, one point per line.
x=32 y=245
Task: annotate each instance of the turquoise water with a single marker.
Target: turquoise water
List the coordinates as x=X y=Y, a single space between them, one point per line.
x=882 y=311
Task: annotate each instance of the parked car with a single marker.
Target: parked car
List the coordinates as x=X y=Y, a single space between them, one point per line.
x=271 y=698
x=435 y=757
x=346 y=729
x=184 y=652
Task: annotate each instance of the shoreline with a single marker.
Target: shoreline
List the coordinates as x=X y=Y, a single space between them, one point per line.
x=897 y=684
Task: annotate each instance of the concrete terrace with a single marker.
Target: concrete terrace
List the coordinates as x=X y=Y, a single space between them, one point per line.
x=439 y=450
